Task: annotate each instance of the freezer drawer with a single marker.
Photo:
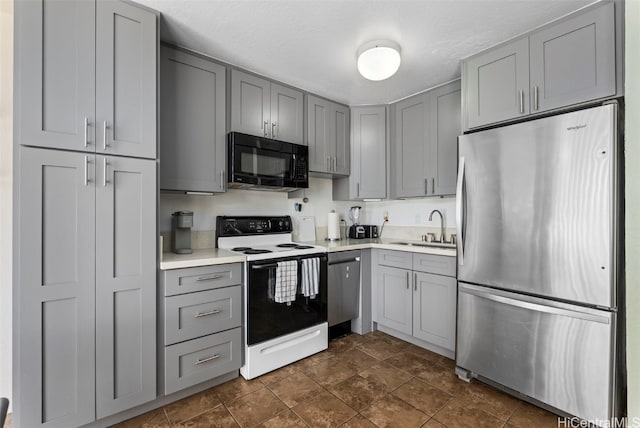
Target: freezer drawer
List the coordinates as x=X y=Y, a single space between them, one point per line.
x=556 y=353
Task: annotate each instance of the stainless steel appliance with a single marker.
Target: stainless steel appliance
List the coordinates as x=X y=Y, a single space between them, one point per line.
x=276 y=334
x=181 y=224
x=344 y=286
x=539 y=295
x=260 y=163
x=363 y=231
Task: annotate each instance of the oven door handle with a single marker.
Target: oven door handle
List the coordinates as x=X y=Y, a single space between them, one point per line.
x=269 y=266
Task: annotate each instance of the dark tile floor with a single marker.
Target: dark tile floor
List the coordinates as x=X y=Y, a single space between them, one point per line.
x=360 y=381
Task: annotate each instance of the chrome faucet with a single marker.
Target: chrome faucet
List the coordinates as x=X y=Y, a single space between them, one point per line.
x=442 y=238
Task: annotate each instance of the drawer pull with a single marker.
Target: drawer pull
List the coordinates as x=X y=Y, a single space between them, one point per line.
x=210 y=277
x=206 y=360
x=206 y=314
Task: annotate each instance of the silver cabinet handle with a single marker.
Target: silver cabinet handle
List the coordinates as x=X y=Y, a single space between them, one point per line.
x=265 y=128
x=104 y=136
x=273 y=130
x=222 y=180
x=328 y=164
x=426 y=186
x=460 y=212
x=407 y=280
x=521 y=102
x=335 y=163
x=104 y=164
x=206 y=314
x=433 y=185
x=358 y=190
x=86 y=170
x=210 y=277
x=86 y=131
x=415 y=281
x=206 y=360
x=535 y=97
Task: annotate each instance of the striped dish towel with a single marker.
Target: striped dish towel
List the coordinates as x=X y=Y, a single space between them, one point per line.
x=286 y=281
x=310 y=277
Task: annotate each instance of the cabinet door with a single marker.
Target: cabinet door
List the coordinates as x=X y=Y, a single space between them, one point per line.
x=445 y=129
x=341 y=138
x=434 y=309
x=369 y=162
x=586 y=43
x=286 y=114
x=411 y=147
x=250 y=104
x=192 y=138
x=126 y=70
x=56 y=289
x=55 y=73
x=394 y=299
x=496 y=84
x=318 y=135
x=125 y=283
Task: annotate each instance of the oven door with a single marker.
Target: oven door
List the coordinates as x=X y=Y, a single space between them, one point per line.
x=267 y=319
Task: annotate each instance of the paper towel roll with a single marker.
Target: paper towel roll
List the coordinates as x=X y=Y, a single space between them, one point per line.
x=333 y=226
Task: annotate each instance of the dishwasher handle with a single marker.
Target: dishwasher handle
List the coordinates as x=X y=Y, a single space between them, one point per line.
x=338 y=262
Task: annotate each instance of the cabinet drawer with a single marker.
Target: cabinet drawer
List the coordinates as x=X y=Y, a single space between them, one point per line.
x=399 y=259
x=429 y=263
x=197 y=314
x=179 y=281
x=199 y=360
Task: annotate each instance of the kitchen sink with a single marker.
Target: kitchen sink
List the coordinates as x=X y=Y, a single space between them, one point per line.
x=426 y=244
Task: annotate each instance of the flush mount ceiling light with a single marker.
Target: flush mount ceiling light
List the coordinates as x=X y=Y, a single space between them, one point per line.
x=378 y=59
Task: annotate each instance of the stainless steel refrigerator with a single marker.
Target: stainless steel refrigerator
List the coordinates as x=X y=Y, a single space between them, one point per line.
x=538 y=260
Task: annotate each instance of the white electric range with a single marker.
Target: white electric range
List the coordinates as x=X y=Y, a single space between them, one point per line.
x=275 y=334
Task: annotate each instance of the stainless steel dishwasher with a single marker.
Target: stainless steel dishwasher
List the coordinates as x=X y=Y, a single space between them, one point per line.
x=343 y=288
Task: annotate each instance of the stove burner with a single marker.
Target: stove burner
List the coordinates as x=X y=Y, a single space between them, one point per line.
x=241 y=249
x=287 y=245
x=303 y=247
x=256 y=251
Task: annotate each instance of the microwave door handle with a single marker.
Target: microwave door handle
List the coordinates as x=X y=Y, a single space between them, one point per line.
x=293 y=166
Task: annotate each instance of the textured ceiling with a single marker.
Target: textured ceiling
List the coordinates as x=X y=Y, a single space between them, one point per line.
x=312 y=44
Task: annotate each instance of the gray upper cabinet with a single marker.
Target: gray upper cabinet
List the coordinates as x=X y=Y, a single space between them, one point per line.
x=497 y=84
x=192 y=138
x=585 y=42
x=106 y=52
x=125 y=283
x=424 y=149
x=328 y=136
x=445 y=128
x=368 y=157
x=260 y=107
x=55 y=382
x=567 y=62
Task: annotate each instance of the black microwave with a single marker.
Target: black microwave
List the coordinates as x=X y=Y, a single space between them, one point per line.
x=264 y=164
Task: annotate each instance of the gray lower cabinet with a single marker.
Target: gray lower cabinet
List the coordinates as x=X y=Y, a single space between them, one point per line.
x=86 y=286
x=567 y=62
x=343 y=286
x=368 y=178
x=264 y=108
x=192 y=139
x=417 y=296
x=425 y=131
x=201 y=318
x=328 y=136
x=106 y=51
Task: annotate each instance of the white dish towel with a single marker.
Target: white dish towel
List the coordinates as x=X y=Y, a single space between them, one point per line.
x=286 y=281
x=310 y=277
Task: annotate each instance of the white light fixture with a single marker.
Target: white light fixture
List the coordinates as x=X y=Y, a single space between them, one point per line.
x=378 y=59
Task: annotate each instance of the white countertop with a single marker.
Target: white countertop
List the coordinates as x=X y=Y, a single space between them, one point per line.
x=215 y=256
x=204 y=257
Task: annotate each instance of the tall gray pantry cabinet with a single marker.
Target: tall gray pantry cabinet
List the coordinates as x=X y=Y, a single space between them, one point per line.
x=85 y=216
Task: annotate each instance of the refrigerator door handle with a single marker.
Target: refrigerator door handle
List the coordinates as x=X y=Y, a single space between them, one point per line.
x=460 y=212
x=493 y=296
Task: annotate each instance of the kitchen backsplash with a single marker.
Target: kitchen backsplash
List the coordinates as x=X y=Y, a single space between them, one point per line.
x=408 y=219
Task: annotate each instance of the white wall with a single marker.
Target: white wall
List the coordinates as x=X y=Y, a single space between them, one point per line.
x=632 y=202
x=6 y=144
